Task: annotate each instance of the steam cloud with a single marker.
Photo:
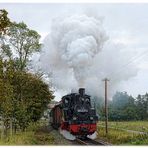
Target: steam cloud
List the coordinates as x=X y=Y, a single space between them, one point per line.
x=67 y=134
x=76 y=55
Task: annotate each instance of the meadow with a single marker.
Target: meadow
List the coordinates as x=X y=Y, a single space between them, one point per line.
x=141 y=126
x=32 y=136
x=35 y=135
x=123 y=133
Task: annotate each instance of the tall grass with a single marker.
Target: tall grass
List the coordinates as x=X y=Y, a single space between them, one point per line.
x=141 y=126
x=118 y=137
x=21 y=138
x=29 y=137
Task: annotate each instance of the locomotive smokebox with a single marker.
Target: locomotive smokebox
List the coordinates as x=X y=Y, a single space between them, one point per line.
x=82 y=91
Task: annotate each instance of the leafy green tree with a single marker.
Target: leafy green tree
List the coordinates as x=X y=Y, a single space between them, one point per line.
x=130 y=109
x=6 y=97
x=142 y=106
x=146 y=106
x=23 y=42
x=23 y=96
x=4 y=25
x=139 y=104
x=4 y=21
x=123 y=107
x=120 y=99
x=31 y=99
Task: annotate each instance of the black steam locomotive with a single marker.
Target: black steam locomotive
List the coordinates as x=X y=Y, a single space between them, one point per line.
x=75 y=114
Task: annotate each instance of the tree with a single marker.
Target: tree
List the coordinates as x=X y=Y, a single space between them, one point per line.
x=120 y=99
x=142 y=106
x=23 y=42
x=6 y=97
x=139 y=104
x=4 y=21
x=146 y=106
x=4 y=25
x=123 y=107
x=23 y=96
x=31 y=100
x=130 y=110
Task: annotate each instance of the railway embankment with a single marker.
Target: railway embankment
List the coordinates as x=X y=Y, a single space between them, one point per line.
x=36 y=134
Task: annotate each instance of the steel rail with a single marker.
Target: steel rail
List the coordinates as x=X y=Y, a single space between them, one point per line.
x=89 y=141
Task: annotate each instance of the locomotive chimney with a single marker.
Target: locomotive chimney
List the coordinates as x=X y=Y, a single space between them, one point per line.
x=81 y=91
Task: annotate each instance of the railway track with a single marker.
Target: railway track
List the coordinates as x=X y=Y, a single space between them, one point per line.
x=89 y=141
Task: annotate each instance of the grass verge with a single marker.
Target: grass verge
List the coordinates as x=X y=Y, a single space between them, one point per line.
x=32 y=136
x=141 y=126
x=117 y=137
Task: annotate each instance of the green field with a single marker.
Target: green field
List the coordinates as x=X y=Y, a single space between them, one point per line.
x=119 y=135
x=141 y=126
x=37 y=135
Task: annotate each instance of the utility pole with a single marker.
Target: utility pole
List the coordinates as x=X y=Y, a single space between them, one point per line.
x=106 y=106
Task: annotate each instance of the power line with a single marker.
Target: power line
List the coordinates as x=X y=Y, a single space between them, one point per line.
x=131 y=61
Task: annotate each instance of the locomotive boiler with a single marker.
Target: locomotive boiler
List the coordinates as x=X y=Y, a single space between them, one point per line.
x=75 y=113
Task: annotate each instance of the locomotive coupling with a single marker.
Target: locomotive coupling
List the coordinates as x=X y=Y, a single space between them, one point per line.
x=84 y=129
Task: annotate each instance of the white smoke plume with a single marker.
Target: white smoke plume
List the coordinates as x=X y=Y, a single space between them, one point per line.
x=67 y=134
x=93 y=136
x=70 y=48
x=77 y=53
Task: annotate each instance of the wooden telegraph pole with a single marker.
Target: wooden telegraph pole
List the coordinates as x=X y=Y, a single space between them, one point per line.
x=106 y=105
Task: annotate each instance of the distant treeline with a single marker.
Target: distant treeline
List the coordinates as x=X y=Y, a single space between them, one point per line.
x=124 y=107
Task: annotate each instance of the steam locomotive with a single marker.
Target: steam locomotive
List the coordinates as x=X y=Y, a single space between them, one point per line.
x=75 y=113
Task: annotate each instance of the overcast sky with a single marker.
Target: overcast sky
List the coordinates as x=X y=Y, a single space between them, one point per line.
x=124 y=23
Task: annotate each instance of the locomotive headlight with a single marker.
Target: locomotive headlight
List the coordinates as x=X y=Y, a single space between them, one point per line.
x=74 y=118
x=91 y=118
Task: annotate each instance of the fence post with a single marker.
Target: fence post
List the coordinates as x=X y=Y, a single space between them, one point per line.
x=11 y=127
x=2 y=124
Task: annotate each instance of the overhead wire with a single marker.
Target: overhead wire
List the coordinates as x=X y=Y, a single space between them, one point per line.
x=113 y=74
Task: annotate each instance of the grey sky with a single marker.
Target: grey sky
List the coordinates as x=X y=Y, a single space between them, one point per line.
x=124 y=23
